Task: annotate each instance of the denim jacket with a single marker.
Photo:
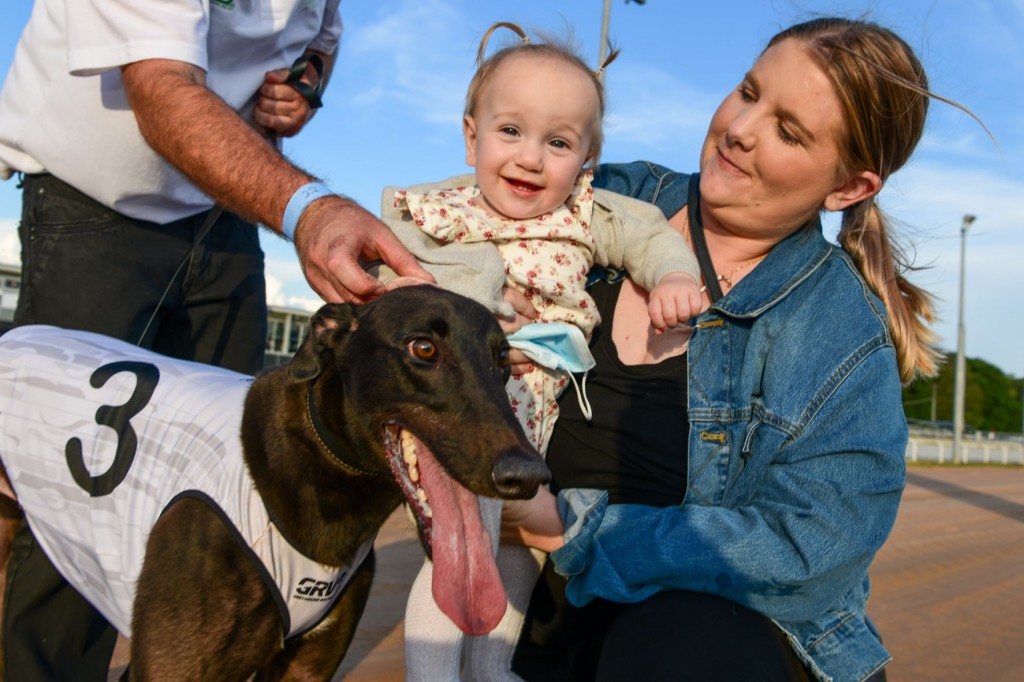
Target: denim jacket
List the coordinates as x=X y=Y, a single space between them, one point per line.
x=796 y=455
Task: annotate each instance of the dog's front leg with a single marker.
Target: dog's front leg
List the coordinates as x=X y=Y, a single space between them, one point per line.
x=11 y=520
x=202 y=611
x=316 y=654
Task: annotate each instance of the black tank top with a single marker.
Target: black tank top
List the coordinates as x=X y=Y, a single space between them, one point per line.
x=635 y=446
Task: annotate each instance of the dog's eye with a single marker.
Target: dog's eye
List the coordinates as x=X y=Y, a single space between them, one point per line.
x=423 y=349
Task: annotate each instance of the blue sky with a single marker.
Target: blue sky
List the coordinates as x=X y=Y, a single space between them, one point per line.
x=392 y=115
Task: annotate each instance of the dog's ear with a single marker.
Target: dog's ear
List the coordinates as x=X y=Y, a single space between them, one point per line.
x=318 y=348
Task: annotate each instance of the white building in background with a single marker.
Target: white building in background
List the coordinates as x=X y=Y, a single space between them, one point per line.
x=10 y=285
x=286 y=327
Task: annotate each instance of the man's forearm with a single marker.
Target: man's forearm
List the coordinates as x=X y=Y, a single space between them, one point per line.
x=199 y=134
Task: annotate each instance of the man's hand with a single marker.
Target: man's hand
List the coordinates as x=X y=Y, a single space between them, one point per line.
x=335 y=237
x=199 y=134
x=281 y=109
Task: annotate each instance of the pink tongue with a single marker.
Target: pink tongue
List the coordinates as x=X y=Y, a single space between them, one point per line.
x=466 y=583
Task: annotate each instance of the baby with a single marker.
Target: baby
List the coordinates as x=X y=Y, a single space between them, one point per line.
x=531 y=220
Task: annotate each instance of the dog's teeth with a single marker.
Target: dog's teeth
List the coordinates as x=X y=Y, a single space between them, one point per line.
x=421 y=495
x=411 y=460
x=408 y=448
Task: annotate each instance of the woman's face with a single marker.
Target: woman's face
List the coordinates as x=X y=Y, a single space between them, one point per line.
x=770 y=161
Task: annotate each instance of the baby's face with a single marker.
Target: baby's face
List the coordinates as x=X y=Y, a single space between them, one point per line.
x=530 y=135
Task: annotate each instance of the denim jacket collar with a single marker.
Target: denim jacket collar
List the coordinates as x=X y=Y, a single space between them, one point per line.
x=788 y=264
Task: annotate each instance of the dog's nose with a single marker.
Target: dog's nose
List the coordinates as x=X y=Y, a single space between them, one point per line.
x=517 y=474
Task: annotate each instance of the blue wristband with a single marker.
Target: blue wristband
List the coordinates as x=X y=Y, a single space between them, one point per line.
x=302 y=198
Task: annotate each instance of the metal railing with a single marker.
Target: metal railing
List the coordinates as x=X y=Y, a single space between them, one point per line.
x=974 y=449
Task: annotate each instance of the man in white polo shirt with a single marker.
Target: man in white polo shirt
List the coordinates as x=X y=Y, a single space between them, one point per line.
x=125 y=121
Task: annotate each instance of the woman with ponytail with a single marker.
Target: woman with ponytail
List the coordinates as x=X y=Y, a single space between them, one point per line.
x=716 y=517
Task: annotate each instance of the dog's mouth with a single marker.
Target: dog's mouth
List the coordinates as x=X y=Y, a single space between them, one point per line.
x=403 y=457
x=466 y=583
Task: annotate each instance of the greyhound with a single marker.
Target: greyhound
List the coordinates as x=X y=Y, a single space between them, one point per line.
x=399 y=399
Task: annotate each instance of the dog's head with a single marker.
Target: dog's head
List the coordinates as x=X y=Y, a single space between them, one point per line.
x=420 y=379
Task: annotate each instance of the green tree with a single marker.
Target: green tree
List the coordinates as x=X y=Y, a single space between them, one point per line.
x=992 y=398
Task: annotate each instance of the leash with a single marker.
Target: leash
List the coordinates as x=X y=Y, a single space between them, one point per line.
x=313 y=96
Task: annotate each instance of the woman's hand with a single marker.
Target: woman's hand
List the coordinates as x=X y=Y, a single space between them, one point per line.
x=533 y=523
x=525 y=313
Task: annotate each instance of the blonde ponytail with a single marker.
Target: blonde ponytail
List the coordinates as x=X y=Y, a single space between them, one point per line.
x=883 y=94
x=865 y=235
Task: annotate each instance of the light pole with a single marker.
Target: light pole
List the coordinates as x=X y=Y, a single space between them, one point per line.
x=602 y=50
x=935 y=400
x=961 y=365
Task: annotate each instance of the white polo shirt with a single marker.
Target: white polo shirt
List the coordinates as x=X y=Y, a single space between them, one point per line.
x=63 y=108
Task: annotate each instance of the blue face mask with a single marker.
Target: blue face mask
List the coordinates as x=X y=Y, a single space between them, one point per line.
x=558 y=346
x=555 y=345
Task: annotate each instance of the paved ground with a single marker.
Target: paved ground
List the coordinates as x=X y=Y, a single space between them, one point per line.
x=948 y=587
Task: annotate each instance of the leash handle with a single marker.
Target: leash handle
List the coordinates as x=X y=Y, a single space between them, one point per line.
x=311 y=93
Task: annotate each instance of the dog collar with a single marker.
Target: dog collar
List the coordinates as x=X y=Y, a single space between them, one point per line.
x=330 y=442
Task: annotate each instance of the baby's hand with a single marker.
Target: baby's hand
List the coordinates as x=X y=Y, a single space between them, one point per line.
x=674 y=300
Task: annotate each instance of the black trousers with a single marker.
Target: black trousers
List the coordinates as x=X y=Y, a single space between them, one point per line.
x=87 y=267
x=671 y=636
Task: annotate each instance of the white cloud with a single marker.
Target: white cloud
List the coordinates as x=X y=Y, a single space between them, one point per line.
x=10 y=245
x=974 y=145
x=275 y=290
x=998 y=30
x=306 y=303
x=419 y=55
x=931 y=199
x=286 y=285
x=296 y=296
x=934 y=194
x=651 y=107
